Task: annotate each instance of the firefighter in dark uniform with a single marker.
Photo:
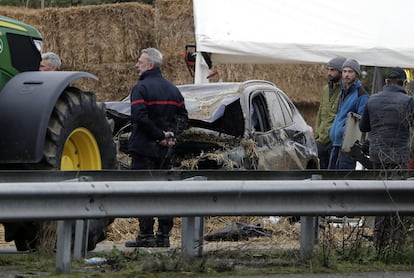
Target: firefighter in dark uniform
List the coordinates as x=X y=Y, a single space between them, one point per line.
x=158 y=115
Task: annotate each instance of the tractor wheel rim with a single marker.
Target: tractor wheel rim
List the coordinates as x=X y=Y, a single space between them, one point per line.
x=81 y=152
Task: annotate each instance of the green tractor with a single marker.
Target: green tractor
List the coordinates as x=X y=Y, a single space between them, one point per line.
x=46 y=122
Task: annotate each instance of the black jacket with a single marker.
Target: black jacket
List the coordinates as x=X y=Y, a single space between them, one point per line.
x=156 y=106
x=387 y=117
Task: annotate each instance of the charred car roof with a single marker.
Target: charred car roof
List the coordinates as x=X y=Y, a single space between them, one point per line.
x=215 y=106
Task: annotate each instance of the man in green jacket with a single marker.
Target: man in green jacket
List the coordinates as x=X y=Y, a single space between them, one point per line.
x=327 y=109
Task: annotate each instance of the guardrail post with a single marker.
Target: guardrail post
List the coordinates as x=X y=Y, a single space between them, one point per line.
x=63 y=246
x=80 y=247
x=192 y=232
x=192 y=236
x=308 y=231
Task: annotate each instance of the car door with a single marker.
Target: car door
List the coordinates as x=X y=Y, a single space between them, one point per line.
x=269 y=117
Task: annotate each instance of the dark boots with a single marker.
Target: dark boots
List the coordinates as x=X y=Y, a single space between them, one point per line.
x=162 y=240
x=146 y=240
x=165 y=225
x=146 y=237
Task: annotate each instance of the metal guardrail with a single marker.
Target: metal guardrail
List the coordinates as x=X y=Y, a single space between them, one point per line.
x=193 y=199
x=79 y=200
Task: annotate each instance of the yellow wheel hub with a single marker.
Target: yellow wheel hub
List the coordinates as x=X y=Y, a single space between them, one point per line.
x=81 y=152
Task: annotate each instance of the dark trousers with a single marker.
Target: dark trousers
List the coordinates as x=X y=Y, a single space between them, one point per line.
x=390 y=232
x=146 y=224
x=339 y=160
x=324 y=153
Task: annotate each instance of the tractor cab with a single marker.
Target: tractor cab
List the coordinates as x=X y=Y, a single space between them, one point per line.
x=20 y=46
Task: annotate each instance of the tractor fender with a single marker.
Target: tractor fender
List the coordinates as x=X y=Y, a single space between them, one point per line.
x=26 y=105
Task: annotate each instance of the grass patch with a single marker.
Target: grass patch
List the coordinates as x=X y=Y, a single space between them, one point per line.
x=340 y=249
x=147 y=263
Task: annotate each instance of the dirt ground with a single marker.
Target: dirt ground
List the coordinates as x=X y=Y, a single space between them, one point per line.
x=284 y=233
x=280 y=228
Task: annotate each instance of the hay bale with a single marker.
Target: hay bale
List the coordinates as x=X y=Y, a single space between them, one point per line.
x=173 y=29
x=100 y=34
x=115 y=80
x=26 y=15
x=301 y=82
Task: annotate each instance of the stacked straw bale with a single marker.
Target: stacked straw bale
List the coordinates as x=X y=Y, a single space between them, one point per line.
x=106 y=40
x=174 y=28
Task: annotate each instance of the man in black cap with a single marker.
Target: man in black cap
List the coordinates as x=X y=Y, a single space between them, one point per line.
x=388 y=117
x=327 y=109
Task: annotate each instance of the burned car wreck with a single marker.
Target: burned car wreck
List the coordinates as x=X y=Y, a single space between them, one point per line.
x=250 y=125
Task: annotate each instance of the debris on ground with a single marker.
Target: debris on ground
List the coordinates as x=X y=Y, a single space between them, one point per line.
x=237 y=231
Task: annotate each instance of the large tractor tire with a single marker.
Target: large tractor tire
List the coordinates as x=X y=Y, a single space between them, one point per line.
x=78 y=138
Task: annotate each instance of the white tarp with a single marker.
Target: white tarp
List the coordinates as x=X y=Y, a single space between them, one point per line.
x=376 y=33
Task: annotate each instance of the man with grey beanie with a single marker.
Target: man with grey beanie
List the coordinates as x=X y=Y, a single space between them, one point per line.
x=327 y=110
x=352 y=98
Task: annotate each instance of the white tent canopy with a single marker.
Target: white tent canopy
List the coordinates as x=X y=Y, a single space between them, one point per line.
x=376 y=33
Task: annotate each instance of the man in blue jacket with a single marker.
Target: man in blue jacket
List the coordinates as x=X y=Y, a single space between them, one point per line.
x=158 y=115
x=352 y=98
x=388 y=117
